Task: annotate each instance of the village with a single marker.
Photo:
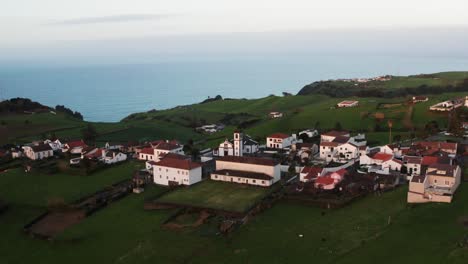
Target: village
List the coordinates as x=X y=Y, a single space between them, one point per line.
x=323 y=168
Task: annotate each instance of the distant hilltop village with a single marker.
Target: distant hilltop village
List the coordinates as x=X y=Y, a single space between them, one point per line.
x=383 y=78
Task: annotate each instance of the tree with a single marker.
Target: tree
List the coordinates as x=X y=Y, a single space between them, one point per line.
x=338 y=126
x=89 y=133
x=304 y=137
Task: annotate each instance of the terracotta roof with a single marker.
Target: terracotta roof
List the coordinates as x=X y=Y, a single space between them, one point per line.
x=249 y=160
x=149 y=151
x=329 y=144
x=398 y=161
x=278 y=135
x=178 y=163
x=76 y=144
x=418 y=179
x=448 y=170
x=348 y=102
x=382 y=156
x=341 y=139
x=167 y=146
x=412 y=160
x=324 y=181
x=312 y=170
x=244 y=174
x=171 y=155
x=41 y=147
x=335 y=133
x=429 y=160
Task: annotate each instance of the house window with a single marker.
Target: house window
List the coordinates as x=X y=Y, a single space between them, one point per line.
x=263 y=182
x=447 y=182
x=253 y=181
x=435 y=180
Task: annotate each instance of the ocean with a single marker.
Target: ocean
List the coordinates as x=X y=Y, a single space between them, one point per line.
x=110 y=92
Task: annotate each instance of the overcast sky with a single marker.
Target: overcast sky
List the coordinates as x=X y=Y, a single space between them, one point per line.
x=33 y=23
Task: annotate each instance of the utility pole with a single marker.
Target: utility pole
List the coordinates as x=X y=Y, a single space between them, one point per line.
x=390 y=125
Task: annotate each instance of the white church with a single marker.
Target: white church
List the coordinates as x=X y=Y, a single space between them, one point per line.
x=240 y=145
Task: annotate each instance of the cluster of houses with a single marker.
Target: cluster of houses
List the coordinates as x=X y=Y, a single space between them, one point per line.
x=449 y=105
x=383 y=78
x=79 y=150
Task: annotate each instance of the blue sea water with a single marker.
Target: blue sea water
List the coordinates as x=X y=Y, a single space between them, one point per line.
x=109 y=92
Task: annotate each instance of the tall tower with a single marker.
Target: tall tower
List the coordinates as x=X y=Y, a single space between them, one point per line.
x=238 y=143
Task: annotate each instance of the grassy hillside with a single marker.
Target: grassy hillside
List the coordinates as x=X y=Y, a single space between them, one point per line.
x=436 y=83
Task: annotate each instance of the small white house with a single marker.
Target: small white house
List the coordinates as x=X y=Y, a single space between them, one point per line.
x=160 y=149
x=280 y=141
x=112 y=157
x=348 y=104
x=74 y=147
x=56 y=145
x=275 y=115
x=309 y=132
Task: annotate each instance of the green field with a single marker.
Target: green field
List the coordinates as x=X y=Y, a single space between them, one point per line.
x=217 y=195
x=125 y=233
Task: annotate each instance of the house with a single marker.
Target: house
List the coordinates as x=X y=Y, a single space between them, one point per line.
x=210 y=129
x=391 y=149
x=240 y=144
x=329 y=180
x=74 y=147
x=427 y=148
x=16 y=153
x=55 y=144
x=113 y=146
x=340 y=147
x=417 y=99
x=448 y=105
x=113 y=156
x=309 y=173
x=305 y=151
x=247 y=170
x=348 y=104
x=174 y=170
x=309 y=132
x=331 y=135
x=280 y=141
x=275 y=114
x=381 y=162
x=158 y=149
x=38 y=152
x=413 y=165
x=438 y=184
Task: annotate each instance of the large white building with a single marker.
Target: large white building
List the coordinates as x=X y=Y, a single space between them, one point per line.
x=38 y=152
x=173 y=170
x=280 y=141
x=247 y=170
x=241 y=144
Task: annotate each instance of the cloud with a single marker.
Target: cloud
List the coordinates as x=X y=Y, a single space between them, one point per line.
x=112 y=19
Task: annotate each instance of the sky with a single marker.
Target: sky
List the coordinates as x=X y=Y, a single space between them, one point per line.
x=30 y=27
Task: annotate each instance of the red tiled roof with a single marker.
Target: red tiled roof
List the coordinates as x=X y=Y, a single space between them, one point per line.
x=149 y=151
x=398 y=161
x=174 y=156
x=249 y=160
x=324 y=181
x=278 y=135
x=348 y=102
x=335 y=133
x=329 y=144
x=341 y=139
x=76 y=144
x=312 y=172
x=429 y=160
x=178 y=164
x=412 y=160
x=382 y=156
x=167 y=146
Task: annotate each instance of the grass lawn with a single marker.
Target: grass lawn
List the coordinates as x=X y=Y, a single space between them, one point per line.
x=217 y=195
x=33 y=189
x=359 y=233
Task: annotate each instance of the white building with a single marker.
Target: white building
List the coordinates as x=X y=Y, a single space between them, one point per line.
x=309 y=132
x=74 y=147
x=275 y=115
x=382 y=162
x=348 y=104
x=56 y=145
x=240 y=145
x=331 y=135
x=158 y=150
x=112 y=157
x=280 y=141
x=247 y=170
x=176 y=171
x=38 y=152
